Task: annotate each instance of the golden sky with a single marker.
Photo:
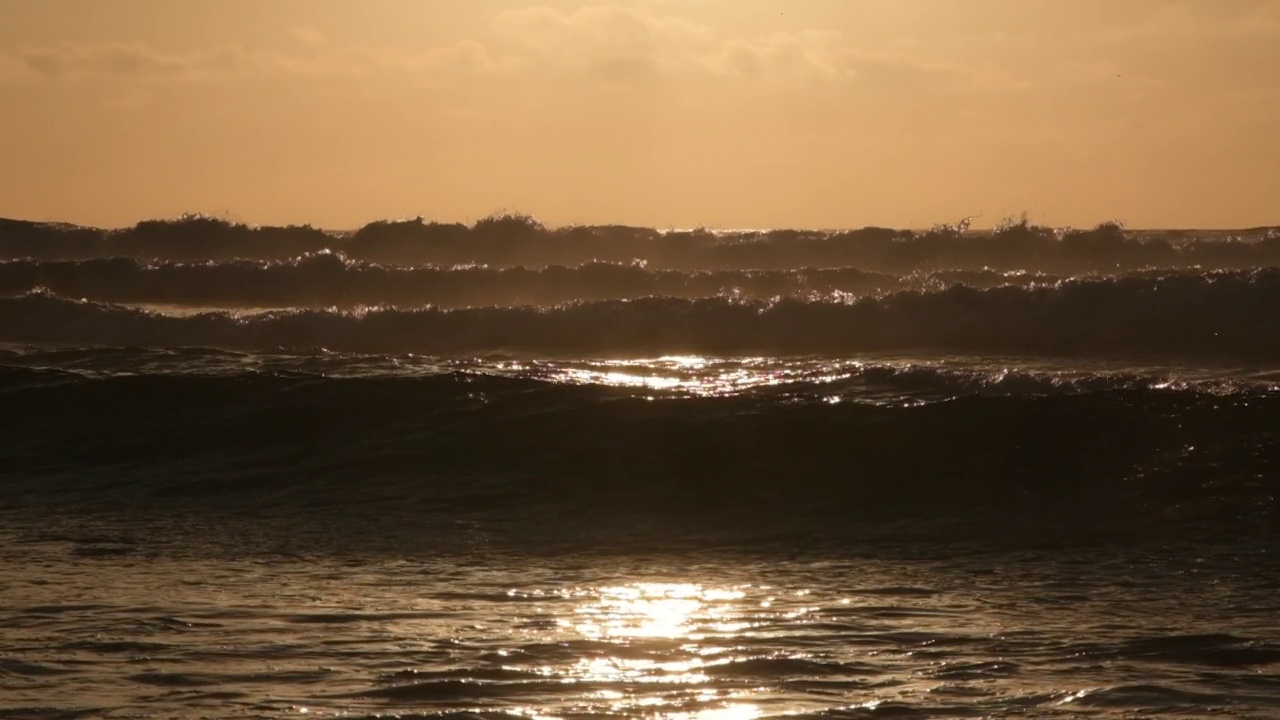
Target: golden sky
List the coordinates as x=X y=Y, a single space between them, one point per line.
x=670 y=113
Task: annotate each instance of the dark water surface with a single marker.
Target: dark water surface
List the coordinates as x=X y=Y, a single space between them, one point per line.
x=228 y=621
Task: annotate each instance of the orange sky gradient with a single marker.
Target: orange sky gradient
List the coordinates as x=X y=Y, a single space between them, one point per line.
x=668 y=113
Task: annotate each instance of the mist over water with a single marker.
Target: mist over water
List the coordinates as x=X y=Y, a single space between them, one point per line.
x=503 y=470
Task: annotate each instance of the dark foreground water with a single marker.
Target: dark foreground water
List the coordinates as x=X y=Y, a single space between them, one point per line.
x=121 y=624
x=866 y=478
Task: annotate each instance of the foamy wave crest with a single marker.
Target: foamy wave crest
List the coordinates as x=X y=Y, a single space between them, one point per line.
x=331 y=279
x=1224 y=314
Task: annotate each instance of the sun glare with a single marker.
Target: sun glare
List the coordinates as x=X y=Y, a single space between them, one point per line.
x=660 y=632
x=655 y=610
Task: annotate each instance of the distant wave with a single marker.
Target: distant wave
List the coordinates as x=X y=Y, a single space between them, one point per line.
x=509 y=241
x=330 y=279
x=1228 y=314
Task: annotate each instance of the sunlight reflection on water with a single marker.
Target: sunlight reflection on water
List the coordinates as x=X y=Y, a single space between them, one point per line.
x=1009 y=635
x=624 y=615
x=894 y=380
x=648 y=610
x=685 y=374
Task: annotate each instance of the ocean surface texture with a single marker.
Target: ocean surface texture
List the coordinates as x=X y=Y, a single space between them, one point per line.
x=502 y=471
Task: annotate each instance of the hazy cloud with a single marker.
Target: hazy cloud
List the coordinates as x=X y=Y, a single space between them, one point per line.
x=627 y=44
x=814 y=54
x=828 y=56
x=623 y=44
x=308 y=35
x=636 y=42
x=319 y=59
x=601 y=28
x=354 y=62
x=133 y=59
x=1236 y=19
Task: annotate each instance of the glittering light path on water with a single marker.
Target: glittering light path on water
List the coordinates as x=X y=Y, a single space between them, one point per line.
x=149 y=624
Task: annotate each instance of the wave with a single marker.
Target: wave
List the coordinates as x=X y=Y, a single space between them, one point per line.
x=1226 y=314
x=331 y=279
x=511 y=240
x=570 y=458
x=875 y=380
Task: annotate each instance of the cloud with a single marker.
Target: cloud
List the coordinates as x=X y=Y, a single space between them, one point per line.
x=134 y=60
x=318 y=59
x=307 y=35
x=622 y=44
x=1208 y=21
x=826 y=56
x=601 y=29
x=465 y=56
x=813 y=54
x=636 y=43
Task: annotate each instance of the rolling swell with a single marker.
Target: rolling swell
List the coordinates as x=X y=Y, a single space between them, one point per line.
x=1210 y=315
x=331 y=279
x=592 y=459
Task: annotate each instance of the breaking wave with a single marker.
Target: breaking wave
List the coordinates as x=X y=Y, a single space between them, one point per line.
x=587 y=457
x=1228 y=314
x=331 y=279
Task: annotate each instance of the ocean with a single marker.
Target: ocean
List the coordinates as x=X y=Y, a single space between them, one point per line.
x=426 y=470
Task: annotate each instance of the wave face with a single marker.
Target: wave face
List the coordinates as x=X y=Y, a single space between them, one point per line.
x=1209 y=315
x=329 y=279
x=734 y=447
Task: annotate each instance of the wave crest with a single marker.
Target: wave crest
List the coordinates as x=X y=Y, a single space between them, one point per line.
x=1224 y=314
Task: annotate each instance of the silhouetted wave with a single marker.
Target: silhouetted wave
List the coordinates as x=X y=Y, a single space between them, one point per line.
x=512 y=240
x=1128 y=456
x=329 y=279
x=1229 y=314
x=332 y=280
